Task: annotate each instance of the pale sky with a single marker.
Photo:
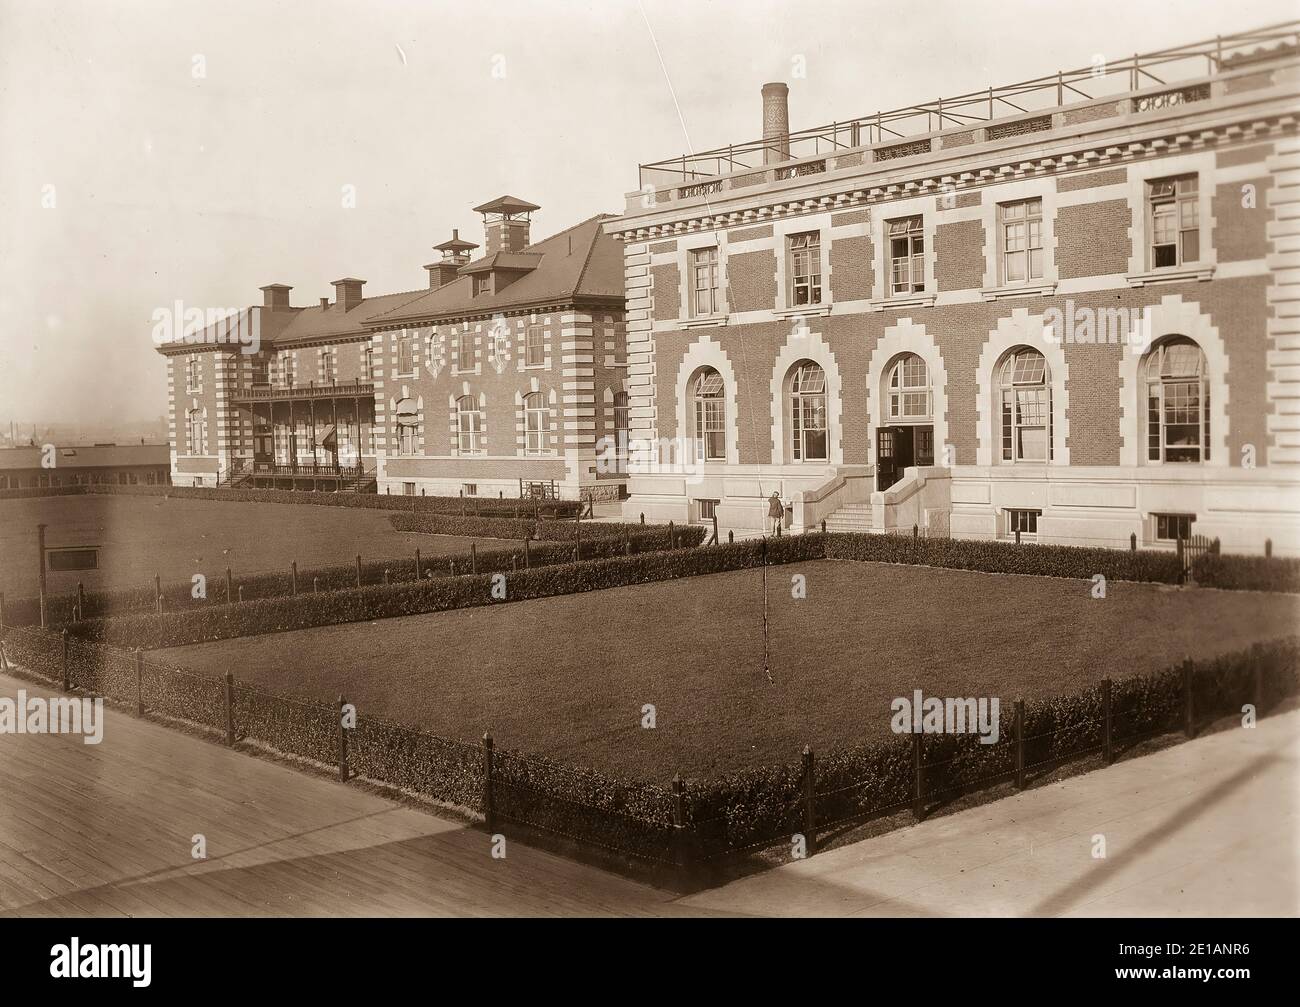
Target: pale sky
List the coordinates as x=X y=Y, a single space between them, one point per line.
x=169 y=185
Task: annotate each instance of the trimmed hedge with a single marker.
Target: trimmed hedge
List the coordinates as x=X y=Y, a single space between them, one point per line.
x=1007 y=557
x=738 y=813
x=24 y=492
x=399 y=569
x=762 y=806
x=270 y=615
x=1248 y=573
x=545 y=531
x=371 y=501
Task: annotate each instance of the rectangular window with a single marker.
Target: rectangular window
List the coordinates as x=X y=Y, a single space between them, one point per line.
x=906 y=256
x=194 y=374
x=1173 y=221
x=405 y=439
x=470 y=489
x=1172 y=527
x=406 y=355
x=706 y=509
x=327 y=366
x=465 y=353
x=1023 y=521
x=368 y=363
x=408 y=489
x=704 y=280
x=534 y=346
x=1020 y=232
x=805 y=268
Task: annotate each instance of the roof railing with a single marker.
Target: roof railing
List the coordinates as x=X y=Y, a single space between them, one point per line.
x=1102 y=80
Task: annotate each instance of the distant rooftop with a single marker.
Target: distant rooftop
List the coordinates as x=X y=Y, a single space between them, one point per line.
x=1198 y=60
x=87 y=456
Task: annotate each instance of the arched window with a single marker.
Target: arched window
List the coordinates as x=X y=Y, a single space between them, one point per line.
x=194 y=431
x=709 y=415
x=1026 y=406
x=622 y=422
x=407 y=422
x=469 y=425
x=808 y=411
x=909 y=389
x=536 y=421
x=1178 y=402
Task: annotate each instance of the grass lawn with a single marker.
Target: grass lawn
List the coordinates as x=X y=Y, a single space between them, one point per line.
x=141 y=536
x=568 y=676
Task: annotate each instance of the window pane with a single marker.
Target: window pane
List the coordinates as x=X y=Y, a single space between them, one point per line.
x=1033 y=444
x=1191 y=246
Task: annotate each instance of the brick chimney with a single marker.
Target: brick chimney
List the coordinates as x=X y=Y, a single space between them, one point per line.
x=347 y=292
x=275 y=297
x=455 y=253
x=776 y=123
x=505 y=224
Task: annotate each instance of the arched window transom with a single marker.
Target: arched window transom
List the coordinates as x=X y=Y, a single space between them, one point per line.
x=469 y=425
x=808 y=414
x=909 y=389
x=1178 y=402
x=1026 y=407
x=709 y=415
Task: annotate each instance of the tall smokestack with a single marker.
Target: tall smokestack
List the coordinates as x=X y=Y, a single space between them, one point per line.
x=776 y=123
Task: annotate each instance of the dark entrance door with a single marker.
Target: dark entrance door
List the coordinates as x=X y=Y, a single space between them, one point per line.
x=897 y=448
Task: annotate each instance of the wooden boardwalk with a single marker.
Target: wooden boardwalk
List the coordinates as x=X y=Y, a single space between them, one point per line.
x=106 y=830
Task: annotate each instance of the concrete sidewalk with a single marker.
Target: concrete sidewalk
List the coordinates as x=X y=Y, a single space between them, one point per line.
x=1206 y=828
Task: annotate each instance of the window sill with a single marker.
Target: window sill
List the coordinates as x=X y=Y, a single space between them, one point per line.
x=902 y=301
x=1171 y=274
x=802 y=310
x=535 y=367
x=1020 y=290
x=702 y=321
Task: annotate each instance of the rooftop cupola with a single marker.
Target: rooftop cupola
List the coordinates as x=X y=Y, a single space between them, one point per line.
x=505 y=223
x=455 y=253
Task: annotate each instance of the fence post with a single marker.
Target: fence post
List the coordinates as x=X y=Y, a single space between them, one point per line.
x=139 y=682
x=1107 y=751
x=643 y=517
x=1017 y=536
x=715 y=529
x=918 y=778
x=917 y=531
x=528 y=558
x=417 y=564
x=240 y=592
x=315 y=584
x=1188 y=722
x=1020 y=744
x=81 y=601
x=386 y=576
x=1268 y=547
x=1257 y=673
x=293 y=578
x=809 y=809
x=1182 y=563
x=473 y=557
x=823 y=526
x=682 y=853
x=358 y=569
x=67 y=682
x=2 y=608
x=1132 y=541
x=343 y=744
x=489 y=811
x=672 y=536
x=157 y=593
x=230 y=710
x=731 y=536
x=229 y=587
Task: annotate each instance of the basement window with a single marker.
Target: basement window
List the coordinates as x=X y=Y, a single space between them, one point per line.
x=1023 y=521
x=1172 y=527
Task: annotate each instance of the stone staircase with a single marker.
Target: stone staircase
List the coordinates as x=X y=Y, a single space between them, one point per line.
x=850 y=517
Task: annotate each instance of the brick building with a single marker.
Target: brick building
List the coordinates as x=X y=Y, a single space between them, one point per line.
x=1066 y=307
x=499 y=377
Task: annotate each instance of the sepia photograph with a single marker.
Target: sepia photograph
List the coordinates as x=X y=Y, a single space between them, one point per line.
x=733 y=459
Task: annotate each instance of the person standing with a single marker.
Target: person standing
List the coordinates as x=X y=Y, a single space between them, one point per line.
x=775 y=511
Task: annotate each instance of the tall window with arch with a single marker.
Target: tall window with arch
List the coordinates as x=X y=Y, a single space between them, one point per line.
x=909 y=389
x=469 y=426
x=905 y=437
x=536 y=423
x=1025 y=391
x=1178 y=402
x=622 y=423
x=808 y=427
x=709 y=416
